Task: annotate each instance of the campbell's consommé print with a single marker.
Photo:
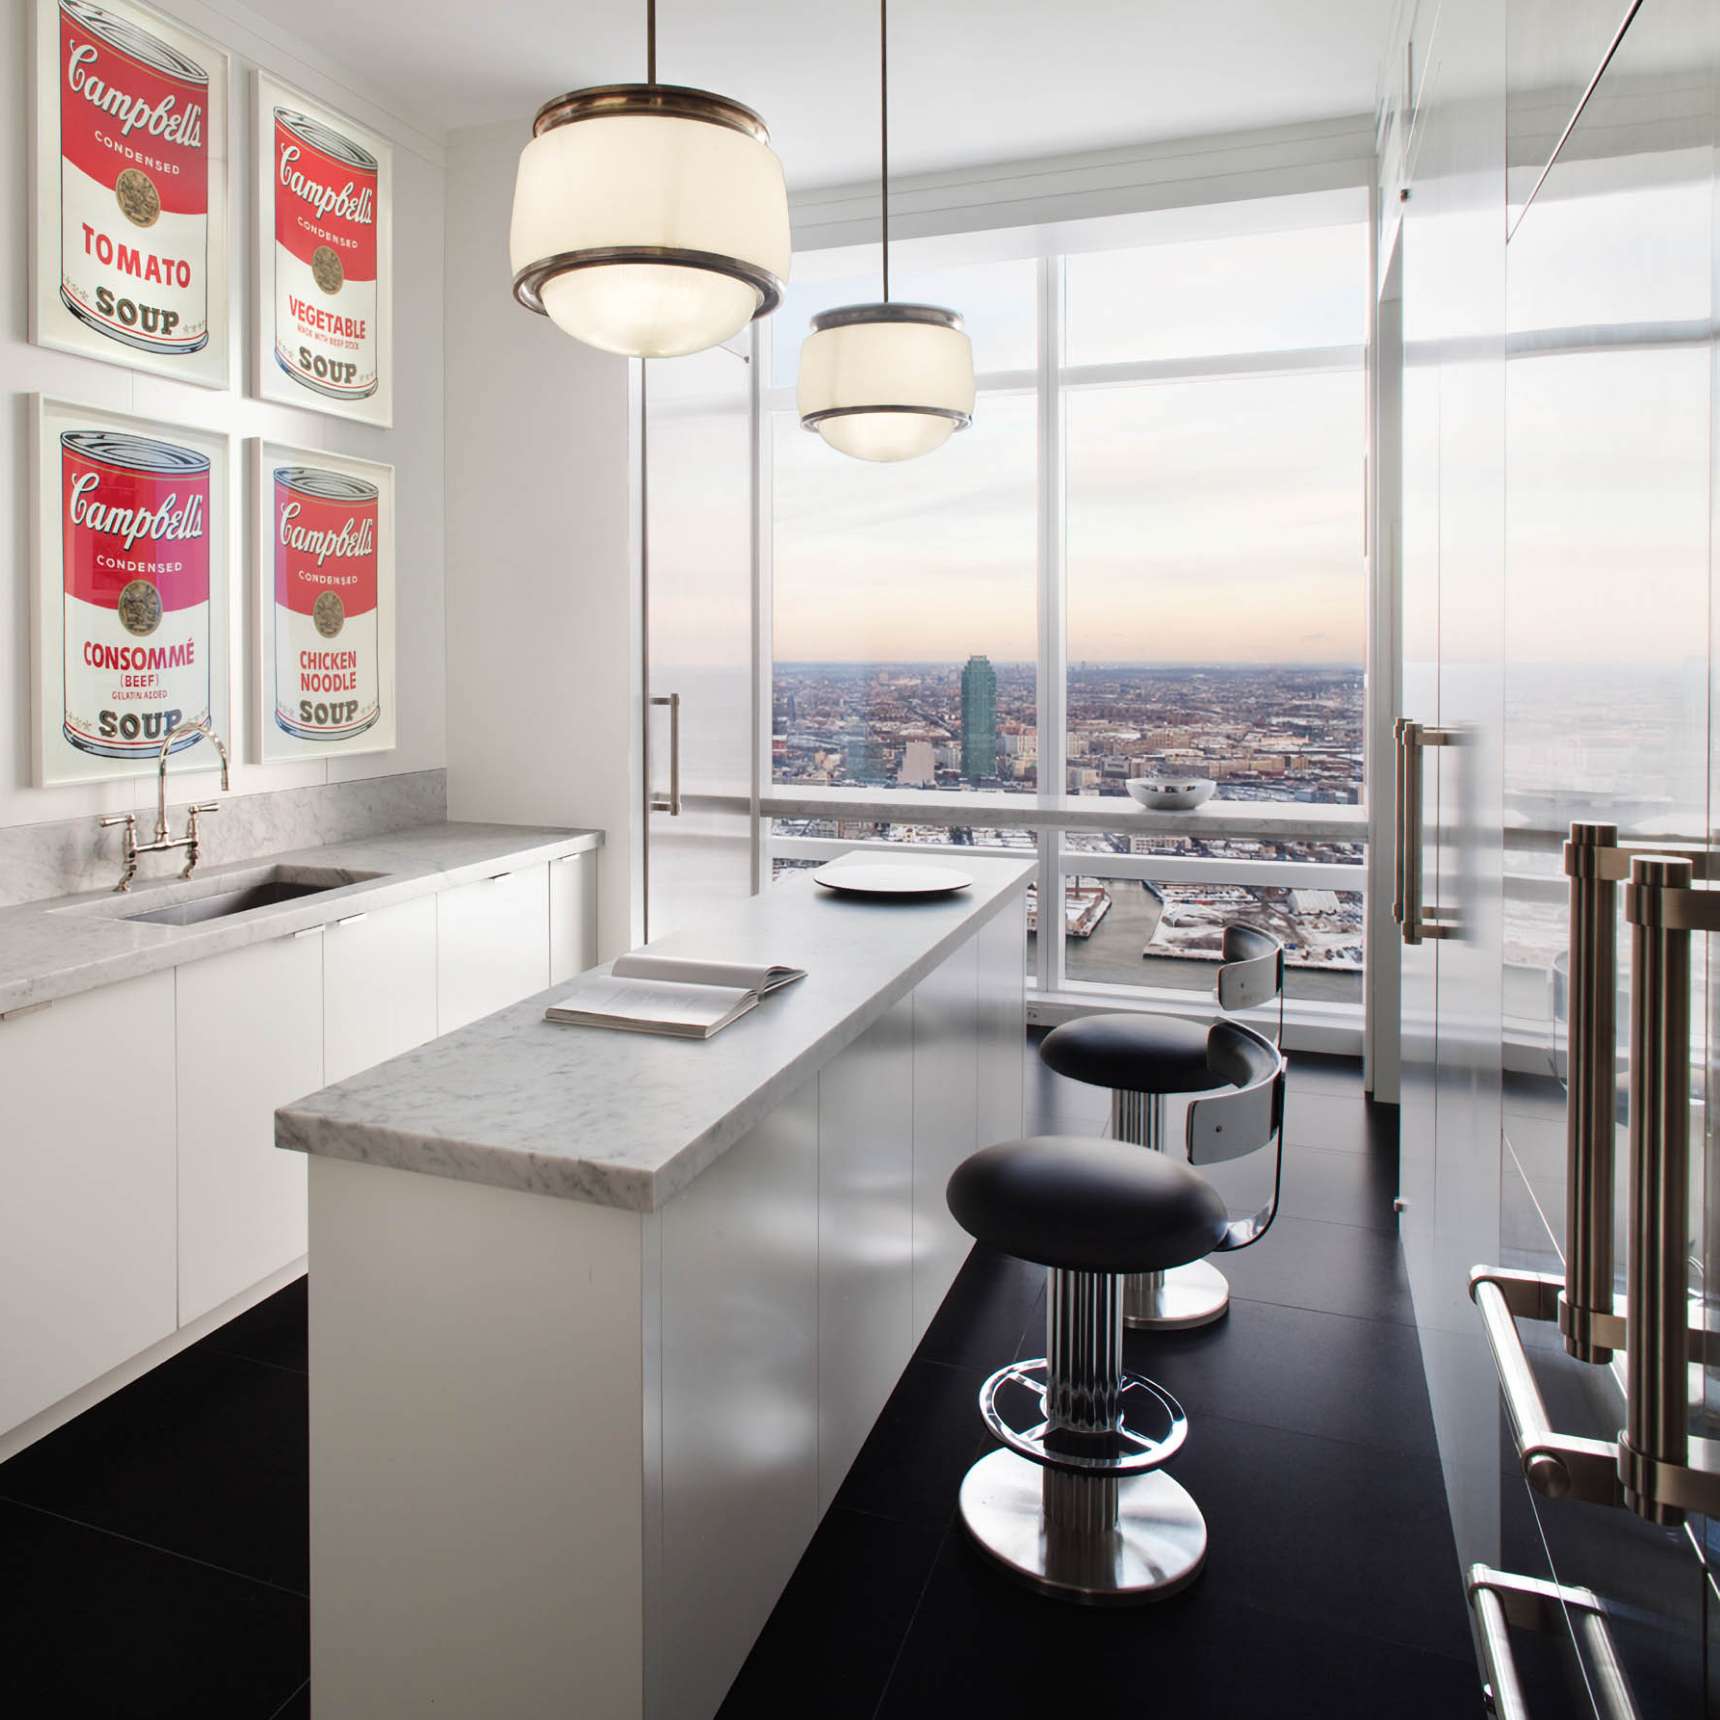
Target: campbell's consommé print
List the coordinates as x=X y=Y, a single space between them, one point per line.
x=134 y=183
x=135 y=538
x=327 y=668
x=325 y=258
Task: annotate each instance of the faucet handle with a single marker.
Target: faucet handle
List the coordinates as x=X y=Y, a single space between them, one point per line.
x=205 y=806
x=119 y=818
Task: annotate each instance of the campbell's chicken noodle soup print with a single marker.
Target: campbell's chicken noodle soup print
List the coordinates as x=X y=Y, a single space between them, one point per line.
x=327 y=672
x=134 y=183
x=325 y=258
x=135 y=537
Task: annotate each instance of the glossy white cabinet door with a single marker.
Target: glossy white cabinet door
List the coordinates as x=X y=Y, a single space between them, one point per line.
x=379 y=986
x=86 y=1189
x=946 y=1120
x=250 y=1038
x=865 y=1236
x=572 y=915
x=1002 y=955
x=492 y=945
x=739 y=1358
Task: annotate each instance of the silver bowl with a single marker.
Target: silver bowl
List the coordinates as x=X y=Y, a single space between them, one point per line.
x=1171 y=793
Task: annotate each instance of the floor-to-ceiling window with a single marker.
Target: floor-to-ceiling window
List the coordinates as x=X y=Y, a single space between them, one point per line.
x=1145 y=556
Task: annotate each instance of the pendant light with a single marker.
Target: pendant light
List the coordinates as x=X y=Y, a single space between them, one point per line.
x=649 y=219
x=886 y=381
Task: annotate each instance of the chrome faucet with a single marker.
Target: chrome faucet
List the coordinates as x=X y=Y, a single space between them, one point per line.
x=164 y=841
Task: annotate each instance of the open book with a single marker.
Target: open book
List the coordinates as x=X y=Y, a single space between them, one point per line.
x=690 y=999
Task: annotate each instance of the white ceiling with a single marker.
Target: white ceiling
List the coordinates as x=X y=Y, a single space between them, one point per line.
x=972 y=81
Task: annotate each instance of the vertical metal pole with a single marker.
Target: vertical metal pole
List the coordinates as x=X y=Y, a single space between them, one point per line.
x=1591 y=1104
x=1657 y=1411
x=1410 y=742
x=1140 y=1118
x=1083 y=1393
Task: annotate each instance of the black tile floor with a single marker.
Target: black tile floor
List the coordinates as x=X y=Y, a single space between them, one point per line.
x=153 y=1551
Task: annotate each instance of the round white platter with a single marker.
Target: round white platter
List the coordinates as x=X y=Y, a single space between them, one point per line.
x=869 y=878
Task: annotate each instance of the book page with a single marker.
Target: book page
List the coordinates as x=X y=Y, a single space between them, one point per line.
x=690 y=970
x=651 y=1001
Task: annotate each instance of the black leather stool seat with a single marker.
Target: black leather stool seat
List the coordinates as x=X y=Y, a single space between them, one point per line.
x=1087 y=1205
x=1133 y=1053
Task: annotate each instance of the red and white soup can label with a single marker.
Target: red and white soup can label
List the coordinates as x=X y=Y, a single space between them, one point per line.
x=325 y=258
x=328 y=675
x=134 y=183
x=135 y=536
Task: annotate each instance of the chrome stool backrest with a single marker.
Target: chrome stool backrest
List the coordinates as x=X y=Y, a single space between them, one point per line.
x=1244 y=1118
x=1252 y=972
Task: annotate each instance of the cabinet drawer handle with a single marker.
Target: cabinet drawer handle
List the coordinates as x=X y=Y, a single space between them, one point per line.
x=497 y=877
x=352 y=919
x=24 y=1009
x=308 y=932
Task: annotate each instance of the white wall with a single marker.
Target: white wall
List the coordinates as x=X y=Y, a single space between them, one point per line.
x=414 y=447
x=543 y=619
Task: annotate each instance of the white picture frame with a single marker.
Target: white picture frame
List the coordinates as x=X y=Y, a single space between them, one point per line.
x=288 y=554
x=132 y=289
x=180 y=663
x=313 y=318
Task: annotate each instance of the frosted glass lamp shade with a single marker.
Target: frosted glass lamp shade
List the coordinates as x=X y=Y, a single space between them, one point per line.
x=649 y=220
x=887 y=381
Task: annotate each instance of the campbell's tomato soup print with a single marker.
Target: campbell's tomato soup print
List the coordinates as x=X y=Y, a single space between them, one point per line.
x=134 y=183
x=327 y=673
x=325 y=258
x=135 y=538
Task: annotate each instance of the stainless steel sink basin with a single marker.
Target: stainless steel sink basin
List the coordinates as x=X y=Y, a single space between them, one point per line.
x=219 y=895
x=232 y=902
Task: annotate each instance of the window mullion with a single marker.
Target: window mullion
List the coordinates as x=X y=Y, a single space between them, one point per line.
x=1052 y=679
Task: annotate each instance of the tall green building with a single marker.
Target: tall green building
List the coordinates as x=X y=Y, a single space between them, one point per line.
x=979 y=719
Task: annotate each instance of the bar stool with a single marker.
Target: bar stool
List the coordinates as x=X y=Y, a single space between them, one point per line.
x=1144 y=1058
x=1076 y=1502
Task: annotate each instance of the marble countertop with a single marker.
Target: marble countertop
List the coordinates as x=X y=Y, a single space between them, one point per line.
x=625 y=1119
x=57 y=948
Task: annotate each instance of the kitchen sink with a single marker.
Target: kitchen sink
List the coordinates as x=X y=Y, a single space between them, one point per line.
x=219 y=896
x=232 y=902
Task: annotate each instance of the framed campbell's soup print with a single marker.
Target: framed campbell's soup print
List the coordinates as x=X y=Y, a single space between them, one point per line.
x=133 y=542
x=324 y=604
x=325 y=256
x=129 y=190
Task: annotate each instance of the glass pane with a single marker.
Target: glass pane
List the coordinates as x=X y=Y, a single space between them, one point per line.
x=1216 y=592
x=998 y=302
x=905 y=609
x=1132 y=931
x=1253 y=292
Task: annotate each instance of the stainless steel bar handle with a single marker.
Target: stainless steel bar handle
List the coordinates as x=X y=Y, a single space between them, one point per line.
x=1502 y=1600
x=1398 y=819
x=1410 y=875
x=1556 y=1465
x=1591 y=1101
x=1412 y=863
x=1657 y=1432
x=672 y=805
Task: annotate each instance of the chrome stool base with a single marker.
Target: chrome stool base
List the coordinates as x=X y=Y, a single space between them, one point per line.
x=1185 y=1296
x=1156 y=1546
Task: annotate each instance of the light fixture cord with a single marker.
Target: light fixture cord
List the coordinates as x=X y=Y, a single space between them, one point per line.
x=650 y=41
x=883 y=132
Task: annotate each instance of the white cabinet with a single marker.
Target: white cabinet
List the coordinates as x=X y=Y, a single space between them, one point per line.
x=946 y=1120
x=865 y=1236
x=492 y=944
x=572 y=915
x=250 y=1038
x=379 y=986
x=86 y=1189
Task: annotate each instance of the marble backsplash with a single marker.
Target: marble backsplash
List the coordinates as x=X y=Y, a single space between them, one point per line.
x=59 y=859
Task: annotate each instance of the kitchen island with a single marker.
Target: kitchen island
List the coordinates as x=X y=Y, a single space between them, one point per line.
x=598 y=1320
